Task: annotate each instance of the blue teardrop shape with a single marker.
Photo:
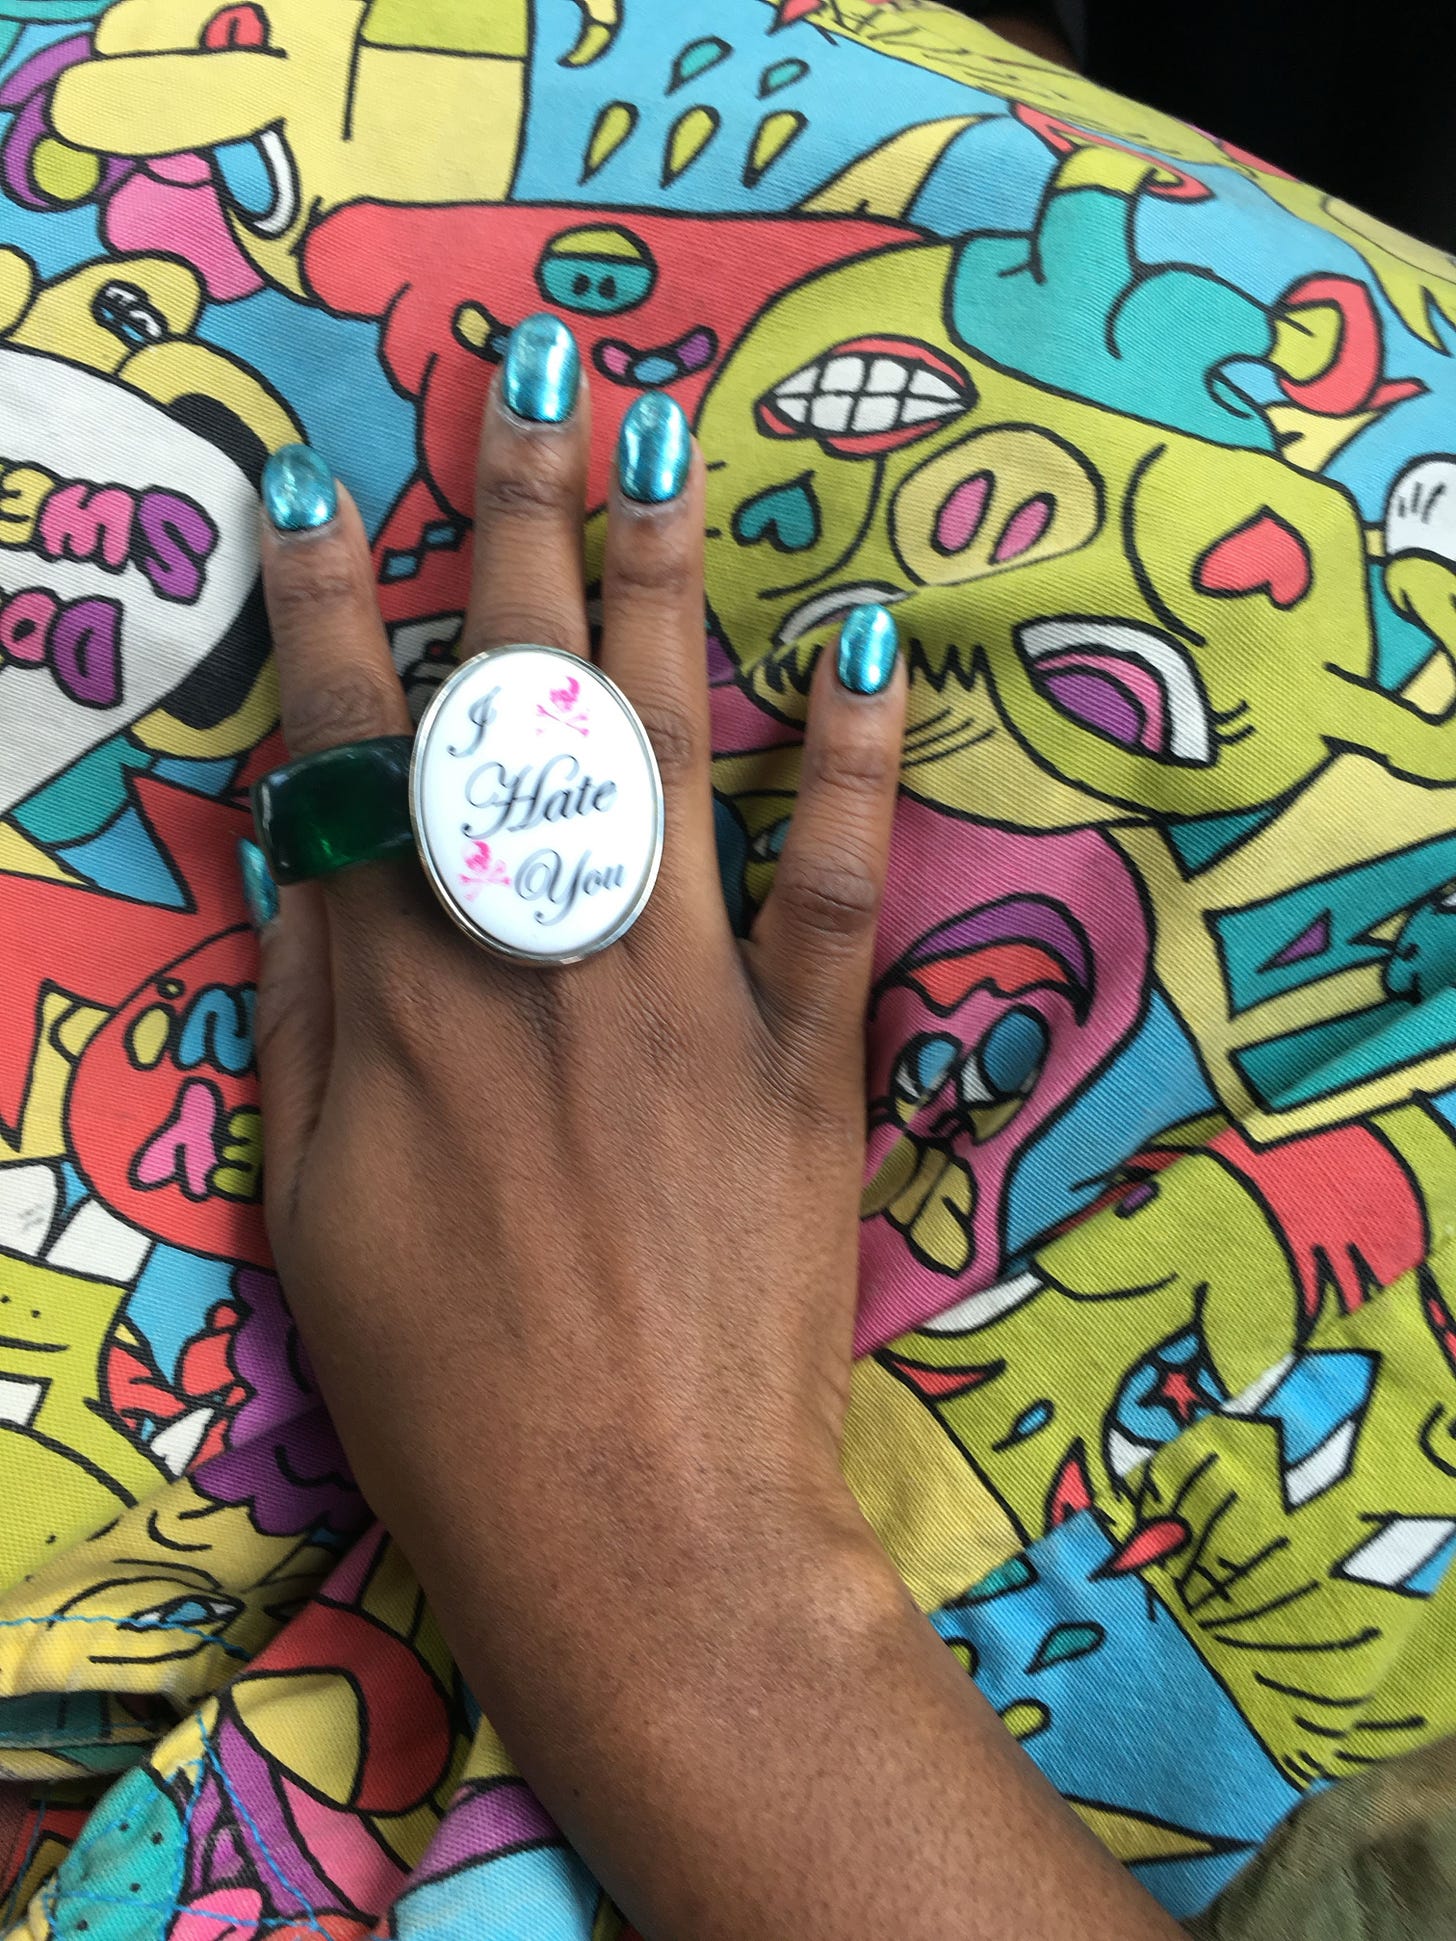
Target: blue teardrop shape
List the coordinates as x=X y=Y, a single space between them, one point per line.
x=1065 y=1642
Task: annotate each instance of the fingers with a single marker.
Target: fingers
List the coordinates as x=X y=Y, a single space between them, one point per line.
x=812 y=947
x=530 y=497
x=293 y=1029
x=653 y=643
x=336 y=681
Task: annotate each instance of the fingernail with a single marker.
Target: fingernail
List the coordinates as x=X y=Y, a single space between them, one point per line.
x=654 y=449
x=260 y=892
x=298 y=489
x=542 y=370
x=869 y=640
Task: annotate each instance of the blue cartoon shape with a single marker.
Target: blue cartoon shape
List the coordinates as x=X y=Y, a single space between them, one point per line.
x=1107 y=1695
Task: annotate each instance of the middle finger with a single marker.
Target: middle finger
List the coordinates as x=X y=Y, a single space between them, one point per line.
x=530 y=497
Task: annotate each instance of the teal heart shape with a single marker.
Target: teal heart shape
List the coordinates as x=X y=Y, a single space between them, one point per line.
x=787 y=516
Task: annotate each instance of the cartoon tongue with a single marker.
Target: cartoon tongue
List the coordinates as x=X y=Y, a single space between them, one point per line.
x=1117 y=698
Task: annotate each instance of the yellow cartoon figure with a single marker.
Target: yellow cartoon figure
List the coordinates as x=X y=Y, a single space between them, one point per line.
x=1119 y=506
x=68 y=1468
x=171 y=1595
x=301 y=105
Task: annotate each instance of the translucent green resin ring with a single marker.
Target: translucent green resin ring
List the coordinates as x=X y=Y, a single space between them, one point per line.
x=338 y=807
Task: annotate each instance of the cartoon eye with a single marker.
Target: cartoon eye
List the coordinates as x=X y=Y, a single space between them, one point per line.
x=767 y=845
x=1420 y=514
x=123 y=309
x=1007 y=1062
x=189 y=1612
x=921 y=1069
x=1140 y=1192
x=596 y=271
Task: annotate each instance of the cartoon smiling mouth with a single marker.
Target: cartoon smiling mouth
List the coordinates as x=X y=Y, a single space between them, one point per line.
x=866 y=396
x=828 y=608
x=257 y=182
x=1125 y=682
x=624 y=363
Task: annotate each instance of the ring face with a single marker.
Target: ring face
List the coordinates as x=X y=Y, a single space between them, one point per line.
x=537 y=805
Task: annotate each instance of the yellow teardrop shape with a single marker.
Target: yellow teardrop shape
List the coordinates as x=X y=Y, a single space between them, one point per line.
x=613 y=125
x=689 y=136
x=772 y=136
x=1025 y=1717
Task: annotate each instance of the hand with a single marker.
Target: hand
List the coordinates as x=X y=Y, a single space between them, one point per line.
x=603 y=1218
x=574 y=1253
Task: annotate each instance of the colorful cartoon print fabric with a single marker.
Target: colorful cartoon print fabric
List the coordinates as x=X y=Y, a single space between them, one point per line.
x=1154 y=451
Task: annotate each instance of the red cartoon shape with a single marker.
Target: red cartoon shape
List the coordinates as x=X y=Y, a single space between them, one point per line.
x=163 y=1109
x=1264 y=555
x=1353 y=379
x=450 y=283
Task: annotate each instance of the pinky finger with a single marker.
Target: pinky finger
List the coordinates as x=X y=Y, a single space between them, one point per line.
x=812 y=947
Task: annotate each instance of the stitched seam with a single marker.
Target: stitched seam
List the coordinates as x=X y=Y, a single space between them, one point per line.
x=125 y=1624
x=209 y=1753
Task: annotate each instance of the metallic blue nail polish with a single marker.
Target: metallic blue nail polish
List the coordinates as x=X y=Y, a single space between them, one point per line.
x=654 y=450
x=298 y=489
x=260 y=892
x=869 y=640
x=542 y=371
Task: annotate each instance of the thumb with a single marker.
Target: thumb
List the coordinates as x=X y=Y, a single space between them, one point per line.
x=293 y=1031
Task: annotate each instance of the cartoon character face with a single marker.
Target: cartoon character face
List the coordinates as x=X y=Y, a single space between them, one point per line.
x=982 y=1026
x=298 y=106
x=186 y=412
x=1120 y=569
x=1196 y=1273
x=449 y=285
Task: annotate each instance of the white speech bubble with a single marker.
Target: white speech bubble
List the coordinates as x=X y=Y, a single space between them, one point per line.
x=79 y=425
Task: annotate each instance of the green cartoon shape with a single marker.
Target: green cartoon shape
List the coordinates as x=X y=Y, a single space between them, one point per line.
x=68 y=1467
x=1200 y=1271
x=1312 y=1530
x=1109 y=617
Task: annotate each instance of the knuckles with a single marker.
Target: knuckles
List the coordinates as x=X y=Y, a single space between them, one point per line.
x=350 y=703
x=860 y=766
x=827 y=902
x=527 y=483
x=679 y=740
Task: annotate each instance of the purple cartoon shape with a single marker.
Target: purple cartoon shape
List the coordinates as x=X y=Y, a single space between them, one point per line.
x=283 y=1459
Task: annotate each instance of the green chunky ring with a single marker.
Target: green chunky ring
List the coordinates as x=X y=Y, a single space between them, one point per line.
x=338 y=807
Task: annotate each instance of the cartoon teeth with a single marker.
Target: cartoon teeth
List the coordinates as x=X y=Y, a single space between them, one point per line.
x=883 y=391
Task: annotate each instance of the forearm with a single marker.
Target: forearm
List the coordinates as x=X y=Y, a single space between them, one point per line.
x=764 y=1742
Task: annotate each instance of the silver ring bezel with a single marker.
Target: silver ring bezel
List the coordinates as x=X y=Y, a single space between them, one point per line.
x=535 y=960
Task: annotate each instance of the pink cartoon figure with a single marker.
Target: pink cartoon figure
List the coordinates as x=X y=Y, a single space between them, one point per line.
x=1011 y=968
x=482 y=869
x=564 y=705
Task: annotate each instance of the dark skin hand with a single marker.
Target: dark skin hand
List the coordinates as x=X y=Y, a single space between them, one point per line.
x=574 y=1252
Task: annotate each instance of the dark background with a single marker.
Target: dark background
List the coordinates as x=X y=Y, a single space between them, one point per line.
x=1359 y=99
